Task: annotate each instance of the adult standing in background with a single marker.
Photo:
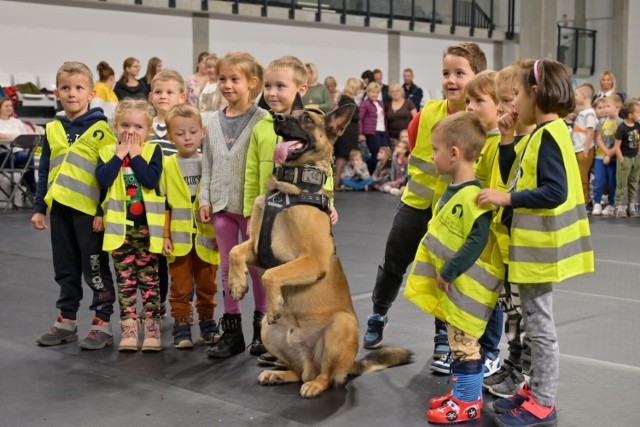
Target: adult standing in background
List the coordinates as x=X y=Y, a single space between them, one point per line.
x=129 y=86
x=384 y=89
x=317 y=95
x=196 y=82
x=411 y=91
x=400 y=111
x=105 y=97
x=154 y=66
x=332 y=86
x=607 y=86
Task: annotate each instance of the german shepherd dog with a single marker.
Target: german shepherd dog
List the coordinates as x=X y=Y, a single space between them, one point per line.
x=310 y=324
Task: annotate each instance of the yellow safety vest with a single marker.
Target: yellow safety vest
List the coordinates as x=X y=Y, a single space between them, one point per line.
x=115 y=208
x=72 y=168
x=183 y=216
x=550 y=245
x=423 y=177
x=473 y=295
x=483 y=166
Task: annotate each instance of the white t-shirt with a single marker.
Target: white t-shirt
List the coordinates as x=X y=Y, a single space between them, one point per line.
x=584 y=120
x=379 y=118
x=12 y=127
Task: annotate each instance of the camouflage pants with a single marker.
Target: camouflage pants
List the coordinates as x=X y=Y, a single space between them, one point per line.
x=137 y=269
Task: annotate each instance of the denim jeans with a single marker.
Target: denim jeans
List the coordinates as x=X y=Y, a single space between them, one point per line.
x=604 y=173
x=490 y=340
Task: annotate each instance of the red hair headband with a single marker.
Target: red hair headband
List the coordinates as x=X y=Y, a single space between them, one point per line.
x=535 y=71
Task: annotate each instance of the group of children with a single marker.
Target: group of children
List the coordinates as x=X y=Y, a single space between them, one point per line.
x=492 y=196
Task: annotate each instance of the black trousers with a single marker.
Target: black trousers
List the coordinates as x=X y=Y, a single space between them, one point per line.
x=77 y=253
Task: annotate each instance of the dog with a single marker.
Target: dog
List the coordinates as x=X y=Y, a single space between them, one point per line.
x=310 y=324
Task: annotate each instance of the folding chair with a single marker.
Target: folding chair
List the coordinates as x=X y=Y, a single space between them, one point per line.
x=15 y=174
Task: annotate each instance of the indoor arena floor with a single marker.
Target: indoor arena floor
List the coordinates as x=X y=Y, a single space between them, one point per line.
x=597 y=317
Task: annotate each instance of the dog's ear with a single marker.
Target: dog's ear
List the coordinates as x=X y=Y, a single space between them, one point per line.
x=298 y=105
x=337 y=120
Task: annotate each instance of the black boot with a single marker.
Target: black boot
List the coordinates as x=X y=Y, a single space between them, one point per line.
x=256 y=348
x=232 y=340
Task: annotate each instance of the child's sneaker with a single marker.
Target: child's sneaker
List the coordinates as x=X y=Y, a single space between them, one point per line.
x=99 y=336
x=455 y=411
x=491 y=366
x=151 y=335
x=608 y=211
x=597 y=209
x=621 y=211
x=509 y=385
x=441 y=345
x=182 y=335
x=498 y=377
x=62 y=331
x=529 y=414
x=209 y=332
x=507 y=404
x=443 y=365
x=129 y=340
x=633 y=210
x=375 y=327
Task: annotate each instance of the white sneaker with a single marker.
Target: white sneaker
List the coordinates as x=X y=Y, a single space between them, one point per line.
x=491 y=366
x=633 y=211
x=597 y=209
x=608 y=211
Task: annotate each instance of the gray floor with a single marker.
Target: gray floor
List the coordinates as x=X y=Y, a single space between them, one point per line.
x=597 y=318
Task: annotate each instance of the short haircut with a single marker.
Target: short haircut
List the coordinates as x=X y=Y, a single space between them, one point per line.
x=169 y=75
x=330 y=81
x=613 y=79
x=129 y=104
x=352 y=87
x=373 y=86
x=506 y=75
x=471 y=52
x=354 y=153
x=394 y=86
x=292 y=63
x=482 y=83
x=313 y=70
x=615 y=99
x=463 y=130
x=367 y=74
x=104 y=71
x=248 y=66
x=555 y=92
x=182 y=110
x=377 y=71
x=75 y=67
x=599 y=101
x=629 y=107
x=586 y=89
x=407 y=70
x=5 y=99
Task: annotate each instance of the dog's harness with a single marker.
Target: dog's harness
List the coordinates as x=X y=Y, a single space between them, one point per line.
x=307 y=178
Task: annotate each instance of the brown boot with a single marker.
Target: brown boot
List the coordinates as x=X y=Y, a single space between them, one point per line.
x=151 y=335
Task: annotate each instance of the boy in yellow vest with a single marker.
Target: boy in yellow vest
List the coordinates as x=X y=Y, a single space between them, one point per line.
x=460 y=63
x=456 y=275
x=68 y=186
x=189 y=244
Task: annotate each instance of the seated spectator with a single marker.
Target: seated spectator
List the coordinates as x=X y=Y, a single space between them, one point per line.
x=317 y=95
x=400 y=111
x=382 y=173
x=356 y=174
x=332 y=86
x=399 y=166
x=10 y=128
x=105 y=97
x=129 y=86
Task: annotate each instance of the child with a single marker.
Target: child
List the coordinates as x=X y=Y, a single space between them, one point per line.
x=604 y=166
x=210 y=99
x=134 y=221
x=584 y=127
x=599 y=106
x=543 y=211
x=372 y=127
x=222 y=184
x=382 y=174
x=399 y=165
x=188 y=243
x=452 y=276
x=356 y=174
x=460 y=63
x=403 y=136
x=627 y=167
x=68 y=185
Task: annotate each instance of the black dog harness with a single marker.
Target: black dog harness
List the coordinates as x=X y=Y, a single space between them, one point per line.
x=306 y=178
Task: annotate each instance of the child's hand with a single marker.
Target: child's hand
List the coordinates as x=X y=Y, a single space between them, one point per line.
x=507 y=126
x=442 y=285
x=333 y=215
x=620 y=158
x=122 y=149
x=205 y=214
x=167 y=248
x=494 y=197
x=39 y=221
x=606 y=160
x=135 y=149
x=98 y=224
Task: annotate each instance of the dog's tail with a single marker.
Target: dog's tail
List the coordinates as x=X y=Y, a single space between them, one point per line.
x=381 y=359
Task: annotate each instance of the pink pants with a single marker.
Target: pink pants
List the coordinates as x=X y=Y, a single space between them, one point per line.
x=227 y=226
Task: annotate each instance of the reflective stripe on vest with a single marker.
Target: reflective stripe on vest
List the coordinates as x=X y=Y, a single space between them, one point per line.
x=423 y=178
x=71 y=180
x=550 y=245
x=115 y=208
x=473 y=295
x=184 y=214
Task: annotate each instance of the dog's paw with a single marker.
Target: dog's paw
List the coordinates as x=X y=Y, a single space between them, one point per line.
x=270 y=378
x=276 y=308
x=238 y=287
x=312 y=389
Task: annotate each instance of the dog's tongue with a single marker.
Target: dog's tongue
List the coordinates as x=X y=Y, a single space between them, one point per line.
x=282 y=149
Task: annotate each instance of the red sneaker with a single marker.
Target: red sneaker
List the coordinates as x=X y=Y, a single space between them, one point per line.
x=455 y=411
x=436 y=402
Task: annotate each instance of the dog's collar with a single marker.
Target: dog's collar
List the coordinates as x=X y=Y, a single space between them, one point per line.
x=278 y=199
x=307 y=178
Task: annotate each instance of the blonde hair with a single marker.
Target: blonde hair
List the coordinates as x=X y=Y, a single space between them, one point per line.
x=613 y=80
x=75 y=67
x=463 y=130
x=394 y=86
x=127 y=63
x=212 y=58
x=314 y=70
x=586 y=89
x=599 y=101
x=248 y=66
x=330 y=80
x=507 y=75
x=351 y=87
x=169 y=75
x=354 y=153
x=134 y=104
x=182 y=110
x=373 y=86
x=292 y=63
x=615 y=99
x=482 y=84
x=386 y=150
